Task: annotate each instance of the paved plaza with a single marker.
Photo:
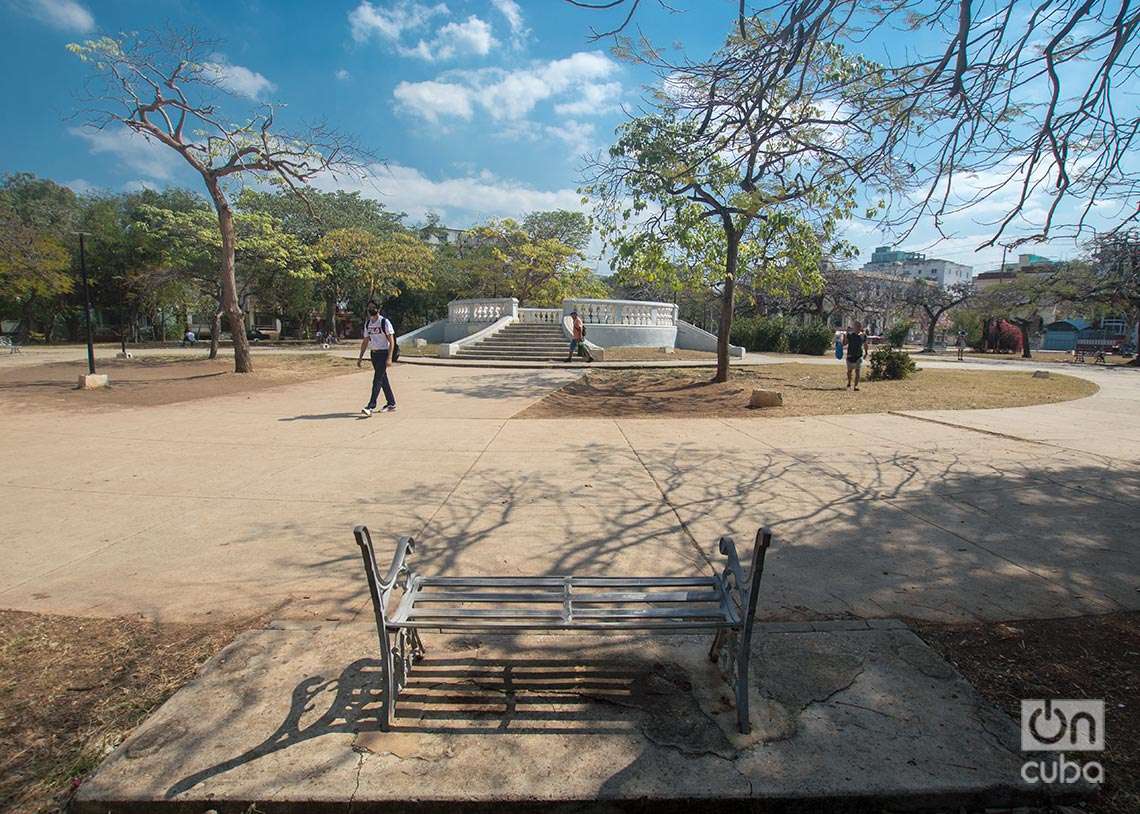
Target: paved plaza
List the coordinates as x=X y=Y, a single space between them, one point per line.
x=240 y=506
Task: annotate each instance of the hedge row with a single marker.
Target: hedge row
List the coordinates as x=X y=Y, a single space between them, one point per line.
x=781 y=335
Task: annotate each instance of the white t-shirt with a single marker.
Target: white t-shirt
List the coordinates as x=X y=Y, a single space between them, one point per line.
x=378 y=330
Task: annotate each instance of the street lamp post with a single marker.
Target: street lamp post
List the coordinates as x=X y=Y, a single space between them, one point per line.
x=86 y=306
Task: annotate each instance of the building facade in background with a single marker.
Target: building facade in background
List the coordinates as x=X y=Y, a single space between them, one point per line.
x=917 y=266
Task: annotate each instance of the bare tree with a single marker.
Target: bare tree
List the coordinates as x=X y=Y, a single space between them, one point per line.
x=166 y=87
x=1026 y=106
x=933 y=301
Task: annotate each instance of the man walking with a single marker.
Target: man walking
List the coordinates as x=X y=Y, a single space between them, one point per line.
x=961 y=345
x=380 y=339
x=855 y=340
x=577 y=342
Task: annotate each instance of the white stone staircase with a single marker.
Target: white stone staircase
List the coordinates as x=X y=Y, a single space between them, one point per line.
x=520 y=342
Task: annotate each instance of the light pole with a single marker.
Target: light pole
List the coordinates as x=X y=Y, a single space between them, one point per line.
x=86 y=306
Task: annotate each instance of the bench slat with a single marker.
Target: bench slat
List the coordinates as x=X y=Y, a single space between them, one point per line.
x=422 y=596
x=648 y=613
x=491 y=625
x=558 y=582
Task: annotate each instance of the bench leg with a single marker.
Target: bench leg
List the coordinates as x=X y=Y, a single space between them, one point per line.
x=717 y=645
x=743 y=721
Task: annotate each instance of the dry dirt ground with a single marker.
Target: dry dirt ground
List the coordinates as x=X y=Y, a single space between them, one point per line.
x=808 y=389
x=657 y=355
x=1078 y=657
x=148 y=381
x=73 y=688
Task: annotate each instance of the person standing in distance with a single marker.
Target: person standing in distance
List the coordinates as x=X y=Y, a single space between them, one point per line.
x=578 y=338
x=380 y=339
x=856 y=343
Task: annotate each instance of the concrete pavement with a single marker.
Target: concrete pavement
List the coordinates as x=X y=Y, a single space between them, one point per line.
x=242 y=505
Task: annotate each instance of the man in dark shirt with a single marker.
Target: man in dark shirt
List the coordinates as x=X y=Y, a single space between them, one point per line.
x=855 y=340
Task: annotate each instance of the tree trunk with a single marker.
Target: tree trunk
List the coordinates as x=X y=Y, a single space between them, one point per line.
x=726 y=306
x=330 y=317
x=1024 y=328
x=215 y=332
x=930 y=332
x=230 y=305
x=986 y=335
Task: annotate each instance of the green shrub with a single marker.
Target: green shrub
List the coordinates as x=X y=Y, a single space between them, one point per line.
x=890 y=363
x=897 y=335
x=814 y=338
x=770 y=335
x=743 y=332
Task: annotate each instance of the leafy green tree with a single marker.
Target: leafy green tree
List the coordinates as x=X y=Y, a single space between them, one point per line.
x=37 y=217
x=357 y=262
x=570 y=228
x=503 y=260
x=743 y=166
x=267 y=258
x=934 y=301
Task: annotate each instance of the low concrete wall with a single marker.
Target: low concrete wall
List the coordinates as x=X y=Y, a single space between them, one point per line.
x=690 y=337
x=433 y=333
x=454 y=331
x=637 y=336
x=449 y=349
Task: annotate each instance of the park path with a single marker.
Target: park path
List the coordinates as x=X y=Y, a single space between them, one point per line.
x=244 y=505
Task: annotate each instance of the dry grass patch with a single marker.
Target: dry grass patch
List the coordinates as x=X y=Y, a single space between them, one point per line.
x=807 y=389
x=73 y=688
x=1081 y=657
x=147 y=381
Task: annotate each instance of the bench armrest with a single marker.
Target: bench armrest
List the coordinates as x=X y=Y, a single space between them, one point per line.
x=379 y=586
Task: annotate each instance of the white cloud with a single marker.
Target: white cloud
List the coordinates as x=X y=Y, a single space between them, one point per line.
x=431 y=100
x=238 y=79
x=343 y=75
x=472 y=36
x=513 y=14
x=80 y=186
x=134 y=150
x=578 y=136
x=68 y=15
x=461 y=201
x=597 y=97
x=511 y=95
x=368 y=20
x=139 y=184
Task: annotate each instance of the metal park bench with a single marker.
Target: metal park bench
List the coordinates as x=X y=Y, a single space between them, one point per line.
x=724 y=604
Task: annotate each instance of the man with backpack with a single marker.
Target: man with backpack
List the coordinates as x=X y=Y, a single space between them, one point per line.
x=380 y=339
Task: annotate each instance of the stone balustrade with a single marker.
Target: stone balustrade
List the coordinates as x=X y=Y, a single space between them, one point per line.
x=540 y=316
x=481 y=311
x=633 y=313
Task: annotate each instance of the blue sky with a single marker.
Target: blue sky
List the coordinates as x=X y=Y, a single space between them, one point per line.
x=480 y=108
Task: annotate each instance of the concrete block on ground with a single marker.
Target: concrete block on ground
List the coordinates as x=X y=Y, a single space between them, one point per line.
x=419 y=343
x=1041 y=374
x=766 y=398
x=91 y=381
x=667 y=349
x=124 y=355
x=288 y=719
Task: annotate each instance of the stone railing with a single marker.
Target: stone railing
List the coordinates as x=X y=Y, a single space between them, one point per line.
x=540 y=316
x=624 y=312
x=481 y=310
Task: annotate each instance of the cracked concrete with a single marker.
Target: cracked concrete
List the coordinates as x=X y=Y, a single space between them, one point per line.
x=282 y=720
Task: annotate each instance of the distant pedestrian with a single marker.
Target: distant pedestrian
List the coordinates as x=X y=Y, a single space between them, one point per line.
x=189 y=339
x=855 y=341
x=380 y=339
x=961 y=345
x=578 y=338
x=839 y=344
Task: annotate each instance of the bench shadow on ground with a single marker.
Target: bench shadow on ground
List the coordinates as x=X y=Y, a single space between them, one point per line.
x=473 y=696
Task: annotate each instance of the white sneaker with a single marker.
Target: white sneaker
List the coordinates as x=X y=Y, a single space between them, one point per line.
x=366 y=411
x=388 y=408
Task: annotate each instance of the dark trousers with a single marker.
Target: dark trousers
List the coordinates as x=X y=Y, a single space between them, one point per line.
x=380 y=379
